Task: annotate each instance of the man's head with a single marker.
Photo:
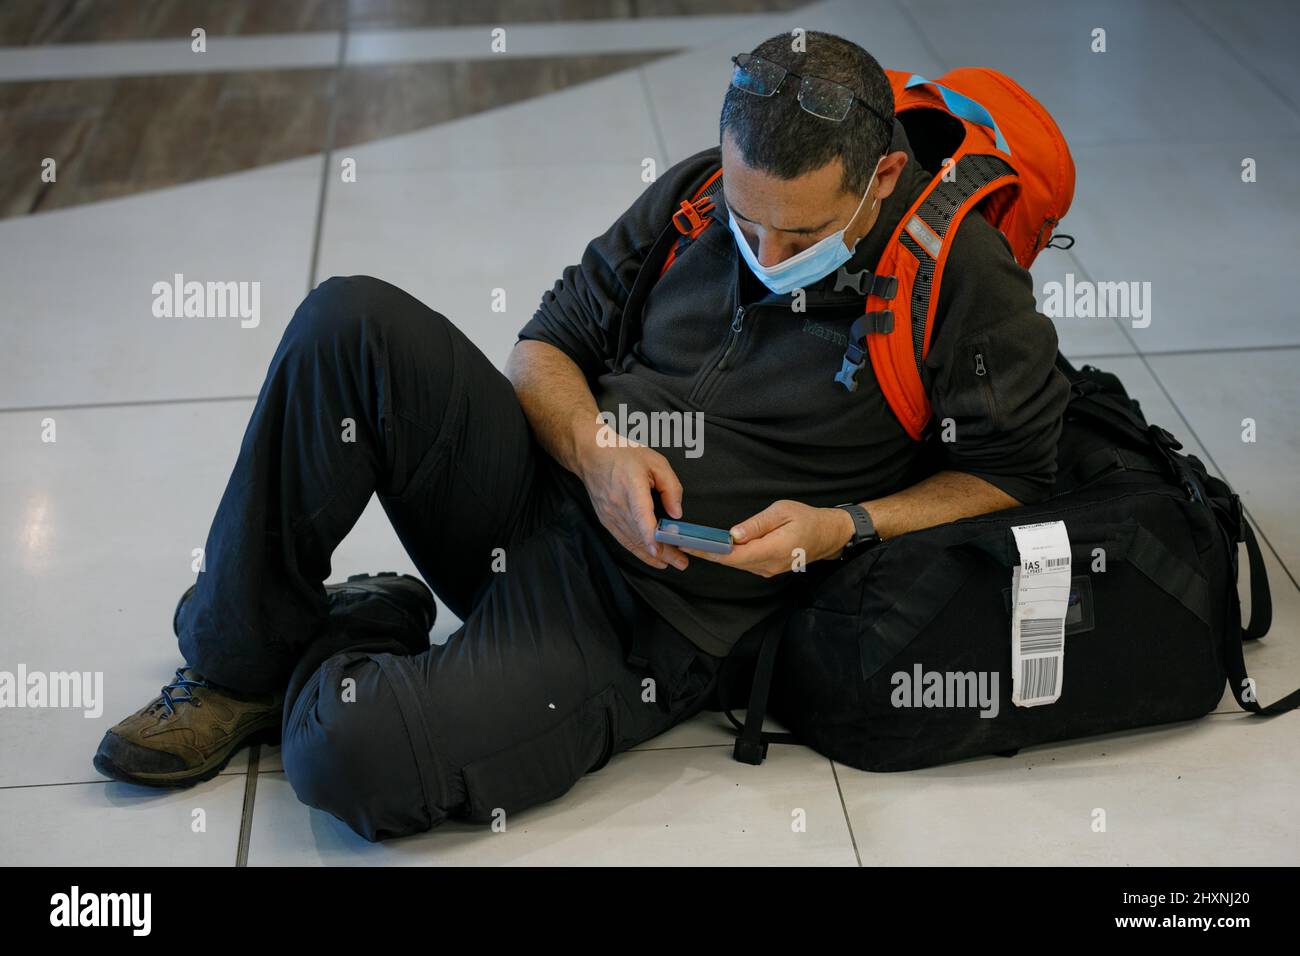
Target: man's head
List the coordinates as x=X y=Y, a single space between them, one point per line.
x=793 y=178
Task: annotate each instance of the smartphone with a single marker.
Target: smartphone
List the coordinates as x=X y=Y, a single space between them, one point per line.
x=697 y=536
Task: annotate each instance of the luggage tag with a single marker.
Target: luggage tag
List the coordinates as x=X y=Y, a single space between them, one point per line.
x=1040 y=588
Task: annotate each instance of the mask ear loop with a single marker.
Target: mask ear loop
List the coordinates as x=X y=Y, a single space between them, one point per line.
x=874 y=203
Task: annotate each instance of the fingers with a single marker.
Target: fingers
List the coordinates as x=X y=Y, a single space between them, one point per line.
x=769 y=519
x=665 y=480
x=640 y=507
x=711 y=556
x=645 y=556
x=674 y=556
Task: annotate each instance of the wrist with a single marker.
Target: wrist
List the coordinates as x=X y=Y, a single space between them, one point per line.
x=584 y=439
x=842 y=533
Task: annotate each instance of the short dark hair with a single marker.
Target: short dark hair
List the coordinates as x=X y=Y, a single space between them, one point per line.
x=778 y=136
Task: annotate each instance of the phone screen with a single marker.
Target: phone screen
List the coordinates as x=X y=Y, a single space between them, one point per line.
x=703 y=532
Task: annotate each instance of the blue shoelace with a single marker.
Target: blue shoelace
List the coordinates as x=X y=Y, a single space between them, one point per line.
x=181 y=683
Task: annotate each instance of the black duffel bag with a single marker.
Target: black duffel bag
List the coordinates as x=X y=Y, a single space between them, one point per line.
x=1152 y=632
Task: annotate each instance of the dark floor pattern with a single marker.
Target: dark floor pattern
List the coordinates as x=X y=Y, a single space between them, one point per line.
x=116 y=136
x=28 y=22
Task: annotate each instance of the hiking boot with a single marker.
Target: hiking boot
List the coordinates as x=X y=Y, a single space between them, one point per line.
x=380 y=605
x=190 y=731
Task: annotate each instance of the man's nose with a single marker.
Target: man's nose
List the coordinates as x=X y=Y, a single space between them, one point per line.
x=774 y=249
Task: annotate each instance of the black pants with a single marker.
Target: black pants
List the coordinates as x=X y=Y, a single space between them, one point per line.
x=372 y=392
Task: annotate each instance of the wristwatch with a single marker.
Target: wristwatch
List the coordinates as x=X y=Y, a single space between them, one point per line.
x=864 y=531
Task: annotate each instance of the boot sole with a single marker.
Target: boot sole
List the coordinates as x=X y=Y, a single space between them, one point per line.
x=189 y=777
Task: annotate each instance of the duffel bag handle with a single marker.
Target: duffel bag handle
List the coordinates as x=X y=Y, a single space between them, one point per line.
x=1261 y=613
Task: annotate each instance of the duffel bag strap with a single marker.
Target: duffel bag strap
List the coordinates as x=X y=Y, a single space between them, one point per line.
x=751 y=740
x=1261 y=599
x=1109 y=459
x=1261 y=613
x=1231 y=518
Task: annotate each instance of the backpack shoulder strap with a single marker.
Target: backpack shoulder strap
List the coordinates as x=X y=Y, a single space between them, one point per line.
x=692 y=217
x=915 y=256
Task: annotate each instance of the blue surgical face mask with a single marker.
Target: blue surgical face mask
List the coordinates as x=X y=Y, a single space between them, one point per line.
x=812 y=264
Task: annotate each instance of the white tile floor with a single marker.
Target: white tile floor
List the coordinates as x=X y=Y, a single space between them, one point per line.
x=96 y=530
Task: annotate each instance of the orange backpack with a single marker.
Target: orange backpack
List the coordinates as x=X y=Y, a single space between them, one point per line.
x=992 y=147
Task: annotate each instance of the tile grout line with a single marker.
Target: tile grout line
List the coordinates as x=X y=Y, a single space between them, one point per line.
x=250 y=799
x=327 y=157
x=654 y=118
x=101 y=782
x=78 y=406
x=1172 y=353
x=857 y=855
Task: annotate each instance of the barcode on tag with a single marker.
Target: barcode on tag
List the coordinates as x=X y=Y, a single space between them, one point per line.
x=1038 y=677
x=1042 y=635
x=1040 y=588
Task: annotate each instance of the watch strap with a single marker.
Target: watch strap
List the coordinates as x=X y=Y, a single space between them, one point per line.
x=864 y=529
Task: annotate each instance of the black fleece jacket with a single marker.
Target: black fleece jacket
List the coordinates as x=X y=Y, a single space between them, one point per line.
x=775 y=423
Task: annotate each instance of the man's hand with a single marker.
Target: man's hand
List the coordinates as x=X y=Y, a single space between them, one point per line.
x=619 y=482
x=562 y=413
x=766 y=543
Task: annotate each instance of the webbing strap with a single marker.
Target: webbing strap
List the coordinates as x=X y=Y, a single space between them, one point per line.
x=751 y=740
x=1261 y=611
x=751 y=743
x=920 y=604
x=1108 y=459
x=1162 y=567
x=629 y=325
x=1261 y=599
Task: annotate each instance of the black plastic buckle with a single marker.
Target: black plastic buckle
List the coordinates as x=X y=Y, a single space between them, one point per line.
x=1164 y=438
x=750 y=752
x=1168 y=446
x=866 y=283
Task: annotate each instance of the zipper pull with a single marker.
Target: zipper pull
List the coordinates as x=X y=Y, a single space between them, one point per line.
x=736 y=323
x=979 y=363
